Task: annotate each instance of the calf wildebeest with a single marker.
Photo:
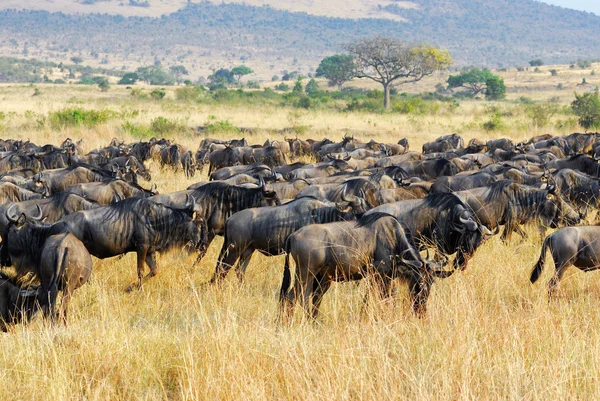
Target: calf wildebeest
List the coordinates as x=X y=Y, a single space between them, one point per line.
x=58 y=259
x=442 y=222
x=141 y=226
x=266 y=229
x=510 y=204
x=375 y=245
x=16 y=304
x=577 y=246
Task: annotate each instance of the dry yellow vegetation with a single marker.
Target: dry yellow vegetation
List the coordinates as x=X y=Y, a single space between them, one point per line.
x=488 y=333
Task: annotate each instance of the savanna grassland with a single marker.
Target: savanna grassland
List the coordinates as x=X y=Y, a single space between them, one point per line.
x=488 y=333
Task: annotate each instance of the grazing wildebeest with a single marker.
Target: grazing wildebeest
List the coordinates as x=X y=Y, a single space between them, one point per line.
x=141 y=226
x=343 y=251
x=58 y=259
x=510 y=204
x=442 y=222
x=16 y=304
x=569 y=246
x=266 y=229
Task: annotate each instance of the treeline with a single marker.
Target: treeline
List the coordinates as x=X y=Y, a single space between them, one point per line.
x=15 y=70
x=480 y=33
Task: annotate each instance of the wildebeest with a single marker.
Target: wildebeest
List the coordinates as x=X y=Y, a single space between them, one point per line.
x=16 y=304
x=510 y=204
x=266 y=229
x=106 y=193
x=439 y=221
x=58 y=259
x=55 y=181
x=375 y=245
x=10 y=192
x=141 y=226
x=462 y=182
x=577 y=246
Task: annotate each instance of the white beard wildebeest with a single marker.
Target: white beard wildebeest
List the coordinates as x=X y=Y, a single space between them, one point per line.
x=141 y=226
x=377 y=245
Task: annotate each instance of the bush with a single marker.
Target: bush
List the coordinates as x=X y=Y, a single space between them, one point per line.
x=188 y=93
x=587 y=108
x=162 y=126
x=304 y=102
x=220 y=126
x=416 y=105
x=553 y=72
x=137 y=131
x=536 y=63
x=495 y=88
x=282 y=87
x=541 y=114
x=494 y=124
x=158 y=94
x=129 y=79
x=79 y=117
x=370 y=105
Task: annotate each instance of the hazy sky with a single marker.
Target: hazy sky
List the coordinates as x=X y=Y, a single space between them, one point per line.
x=585 y=5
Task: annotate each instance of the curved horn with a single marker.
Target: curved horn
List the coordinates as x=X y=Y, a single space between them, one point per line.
x=39 y=215
x=9 y=214
x=470 y=224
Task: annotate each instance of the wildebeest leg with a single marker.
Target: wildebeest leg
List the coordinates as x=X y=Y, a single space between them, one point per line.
x=321 y=285
x=419 y=288
x=141 y=259
x=519 y=230
x=560 y=269
x=244 y=261
x=209 y=238
x=227 y=259
x=64 y=303
x=303 y=288
x=151 y=262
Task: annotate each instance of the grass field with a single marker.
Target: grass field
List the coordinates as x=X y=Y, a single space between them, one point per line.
x=488 y=333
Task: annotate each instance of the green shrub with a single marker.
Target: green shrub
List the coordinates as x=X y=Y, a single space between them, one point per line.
x=541 y=114
x=214 y=126
x=162 y=126
x=158 y=94
x=79 y=117
x=137 y=131
x=494 y=124
x=587 y=108
x=282 y=87
x=188 y=93
x=370 y=105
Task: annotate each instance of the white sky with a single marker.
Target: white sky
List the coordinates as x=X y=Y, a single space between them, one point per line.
x=585 y=5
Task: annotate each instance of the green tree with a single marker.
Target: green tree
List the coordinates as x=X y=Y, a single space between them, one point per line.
x=178 y=71
x=77 y=60
x=337 y=69
x=155 y=75
x=311 y=87
x=496 y=90
x=104 y=86
x=239 y=71
x=587 y=108
x=385 y=60
x=221 y=77
x=129 y=79
x=475 y=80
x=298 y=88
x=538 y=62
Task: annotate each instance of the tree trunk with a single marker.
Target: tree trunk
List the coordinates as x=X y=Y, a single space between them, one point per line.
x=386 y=96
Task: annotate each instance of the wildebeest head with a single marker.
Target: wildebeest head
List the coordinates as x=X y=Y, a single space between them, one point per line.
x=554 y=210
x=352 y=203
x=15 y=223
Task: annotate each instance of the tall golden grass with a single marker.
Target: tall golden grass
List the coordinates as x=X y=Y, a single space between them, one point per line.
x=488 y=333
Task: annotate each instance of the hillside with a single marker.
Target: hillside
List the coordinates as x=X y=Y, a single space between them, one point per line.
x=205 y=36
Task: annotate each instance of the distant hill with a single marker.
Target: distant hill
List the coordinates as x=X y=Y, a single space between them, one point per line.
x=205 y=36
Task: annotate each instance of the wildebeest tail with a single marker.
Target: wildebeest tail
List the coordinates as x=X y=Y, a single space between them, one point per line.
x=60 y=264
x=287 y=276
x=539 y=266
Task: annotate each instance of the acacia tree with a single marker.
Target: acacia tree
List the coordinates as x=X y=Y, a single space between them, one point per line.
x=239 y=71
x=385 y=60
x=338 y=69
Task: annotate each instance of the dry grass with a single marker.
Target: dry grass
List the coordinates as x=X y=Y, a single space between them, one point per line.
x=488 y=334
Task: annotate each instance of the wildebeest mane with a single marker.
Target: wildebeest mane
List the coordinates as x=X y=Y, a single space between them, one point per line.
x=443 y=201
x=230 y=198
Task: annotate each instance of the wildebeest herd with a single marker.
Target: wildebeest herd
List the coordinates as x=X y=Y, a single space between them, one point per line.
x=362 y=210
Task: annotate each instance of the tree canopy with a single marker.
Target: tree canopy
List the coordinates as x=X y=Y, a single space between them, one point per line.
x=338 y=69
x=239 y=71
x=386 y=60
x=587 y=108
x=477 y=81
